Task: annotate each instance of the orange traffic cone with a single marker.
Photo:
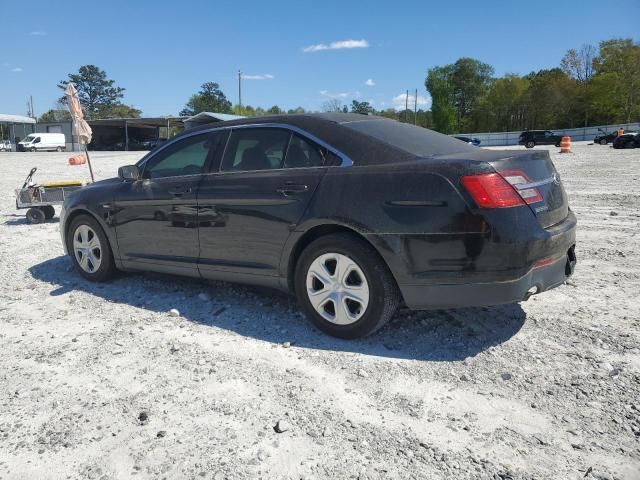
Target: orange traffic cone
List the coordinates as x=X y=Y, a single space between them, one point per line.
x=565 y=145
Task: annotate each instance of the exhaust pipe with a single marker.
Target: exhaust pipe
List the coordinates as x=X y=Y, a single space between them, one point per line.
x=532 y=291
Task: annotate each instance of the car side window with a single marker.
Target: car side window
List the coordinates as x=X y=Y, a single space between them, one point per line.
x=303 y=153
x=184 y=157
x=548 y=134
x=251 y=149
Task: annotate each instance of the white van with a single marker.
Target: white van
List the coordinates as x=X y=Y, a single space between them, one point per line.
x=43 y=141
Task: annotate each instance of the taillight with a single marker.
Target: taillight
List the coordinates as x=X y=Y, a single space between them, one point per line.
x=491 y=190
x=500 y=190
x=518 y=177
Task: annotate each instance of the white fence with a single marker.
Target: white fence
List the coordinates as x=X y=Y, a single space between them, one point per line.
x=576 y=134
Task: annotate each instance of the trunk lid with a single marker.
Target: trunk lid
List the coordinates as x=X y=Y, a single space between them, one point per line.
x=553 y=206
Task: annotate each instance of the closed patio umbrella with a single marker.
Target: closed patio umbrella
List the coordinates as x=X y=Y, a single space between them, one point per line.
x=81 y=128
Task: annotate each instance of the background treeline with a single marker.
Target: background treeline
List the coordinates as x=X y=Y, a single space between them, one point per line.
x=591 y=86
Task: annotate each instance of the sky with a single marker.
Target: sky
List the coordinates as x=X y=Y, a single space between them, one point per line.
x=291 y=53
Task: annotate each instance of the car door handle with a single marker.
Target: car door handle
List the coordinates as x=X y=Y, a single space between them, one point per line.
x=292 y=189
x=179 y=191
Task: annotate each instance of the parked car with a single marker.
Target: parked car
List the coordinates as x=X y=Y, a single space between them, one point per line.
x=5 y=146
x=469 y=140
x=605 y=138
x=54 y=142
x=627 y=140
x=531 y=138
x=354 y=214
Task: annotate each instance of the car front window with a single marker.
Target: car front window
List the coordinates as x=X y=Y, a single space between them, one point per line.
x=184 y=157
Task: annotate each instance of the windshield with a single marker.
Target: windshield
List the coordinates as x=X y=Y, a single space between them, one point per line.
x=29 y=139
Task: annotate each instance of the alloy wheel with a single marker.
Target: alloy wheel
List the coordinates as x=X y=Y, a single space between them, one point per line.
x=337 y=288
x=87 y=248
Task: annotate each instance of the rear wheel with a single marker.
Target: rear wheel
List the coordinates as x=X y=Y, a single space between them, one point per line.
x=603 y=141
x=530 y=144
x=35 y=215
x=344 y=287
x=59 y=149
x=89 y=249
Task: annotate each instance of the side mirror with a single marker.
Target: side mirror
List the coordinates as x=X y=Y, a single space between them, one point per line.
x=129 y=173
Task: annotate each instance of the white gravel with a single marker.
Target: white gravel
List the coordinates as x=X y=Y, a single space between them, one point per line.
x=103 y=382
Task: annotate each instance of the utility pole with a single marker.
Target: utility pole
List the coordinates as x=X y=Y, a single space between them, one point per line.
x=239 y=88
x=406 y=105
x=415 y=108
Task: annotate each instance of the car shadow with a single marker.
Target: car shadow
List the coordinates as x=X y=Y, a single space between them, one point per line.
x=17 y=219
x=273 y=316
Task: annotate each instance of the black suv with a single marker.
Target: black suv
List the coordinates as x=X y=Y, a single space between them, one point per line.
x=531 y=138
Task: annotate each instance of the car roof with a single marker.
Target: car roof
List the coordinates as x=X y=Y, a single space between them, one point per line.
x=366 y=139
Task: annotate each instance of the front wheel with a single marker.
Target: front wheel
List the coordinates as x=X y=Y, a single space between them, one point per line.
x=89 y=249
x=530 y=144
x=344 y=287
x=603 y=141
x=59 y=149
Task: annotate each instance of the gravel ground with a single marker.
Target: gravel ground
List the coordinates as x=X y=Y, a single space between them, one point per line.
x=102 y=382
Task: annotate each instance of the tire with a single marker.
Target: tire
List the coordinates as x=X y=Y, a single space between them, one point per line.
x=32 y=149
x=35 y=215
x=603 y=141
x=93 y=260
x=49 y=212
x=59 y=149
x=367 y=277
x=558 y=145
x=530 y=144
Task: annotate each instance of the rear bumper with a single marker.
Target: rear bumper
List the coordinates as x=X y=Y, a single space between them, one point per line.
x=537 y=280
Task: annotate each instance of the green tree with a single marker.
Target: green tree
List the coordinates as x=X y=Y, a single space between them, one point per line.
x=617 y=79
x=121 y=110
x=209 y=99
x=55 y=115
x=275 y=110
x=96 y=92
x=470 y=80
x=551 y=100
x=505 y=107
x=443 y=109
x=296 y=110
x=363 y=108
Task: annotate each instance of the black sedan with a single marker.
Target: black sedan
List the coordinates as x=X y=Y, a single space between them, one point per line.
x=627 y=140
x=605 y=138
x=354 y=214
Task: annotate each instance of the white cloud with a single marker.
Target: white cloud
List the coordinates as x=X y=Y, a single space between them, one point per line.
x=399 y=101
x=266 y=76
x=369 y=82
x=339 y=45
x=39 y=33
x=326 y=93
x=16 y=69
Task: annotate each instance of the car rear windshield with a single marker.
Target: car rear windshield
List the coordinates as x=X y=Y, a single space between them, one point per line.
x=410 y=138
